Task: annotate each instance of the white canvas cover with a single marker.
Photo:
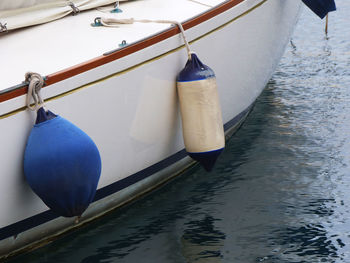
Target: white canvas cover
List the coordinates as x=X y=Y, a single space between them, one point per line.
x=16 y=4
x=22 y=13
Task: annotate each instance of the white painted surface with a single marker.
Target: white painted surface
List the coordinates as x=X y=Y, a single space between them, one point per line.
x=133 y=117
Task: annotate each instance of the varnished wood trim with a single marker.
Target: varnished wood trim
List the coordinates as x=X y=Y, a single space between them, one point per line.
x=13 y=93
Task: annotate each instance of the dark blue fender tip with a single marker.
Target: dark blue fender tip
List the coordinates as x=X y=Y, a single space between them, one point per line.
x=321 y=7
x=43 y=115
x=206 y=159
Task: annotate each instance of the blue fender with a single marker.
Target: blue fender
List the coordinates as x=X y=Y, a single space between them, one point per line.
x=61 y=164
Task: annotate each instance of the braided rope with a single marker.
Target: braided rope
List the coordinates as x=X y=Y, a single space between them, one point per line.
x=113 y=22
x=36 y=82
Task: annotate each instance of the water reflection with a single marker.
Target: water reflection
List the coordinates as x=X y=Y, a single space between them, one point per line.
x=308 y=240
x=201 y=242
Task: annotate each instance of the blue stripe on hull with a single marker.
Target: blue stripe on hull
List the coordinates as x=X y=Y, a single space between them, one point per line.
x=47 y=216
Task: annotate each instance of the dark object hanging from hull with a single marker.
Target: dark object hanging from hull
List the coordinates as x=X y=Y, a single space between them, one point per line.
x=61 y=164
x=321 y=7
x=201 y=112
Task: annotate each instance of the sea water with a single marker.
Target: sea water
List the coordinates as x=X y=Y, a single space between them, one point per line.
x=279 y=193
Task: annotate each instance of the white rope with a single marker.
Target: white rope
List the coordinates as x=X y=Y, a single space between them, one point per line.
x=113 y=22
x=36 y=82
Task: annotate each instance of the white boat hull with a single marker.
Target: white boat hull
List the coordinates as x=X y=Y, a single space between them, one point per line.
x=129 y=108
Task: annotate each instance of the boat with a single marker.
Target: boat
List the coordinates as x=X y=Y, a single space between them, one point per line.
x=117 y=83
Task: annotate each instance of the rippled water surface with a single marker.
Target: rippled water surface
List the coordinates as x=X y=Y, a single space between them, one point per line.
x=279 y=193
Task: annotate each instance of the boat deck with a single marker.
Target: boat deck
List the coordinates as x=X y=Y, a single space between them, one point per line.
x=51 y=47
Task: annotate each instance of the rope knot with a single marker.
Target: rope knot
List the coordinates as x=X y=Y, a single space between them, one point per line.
x=36 y=82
